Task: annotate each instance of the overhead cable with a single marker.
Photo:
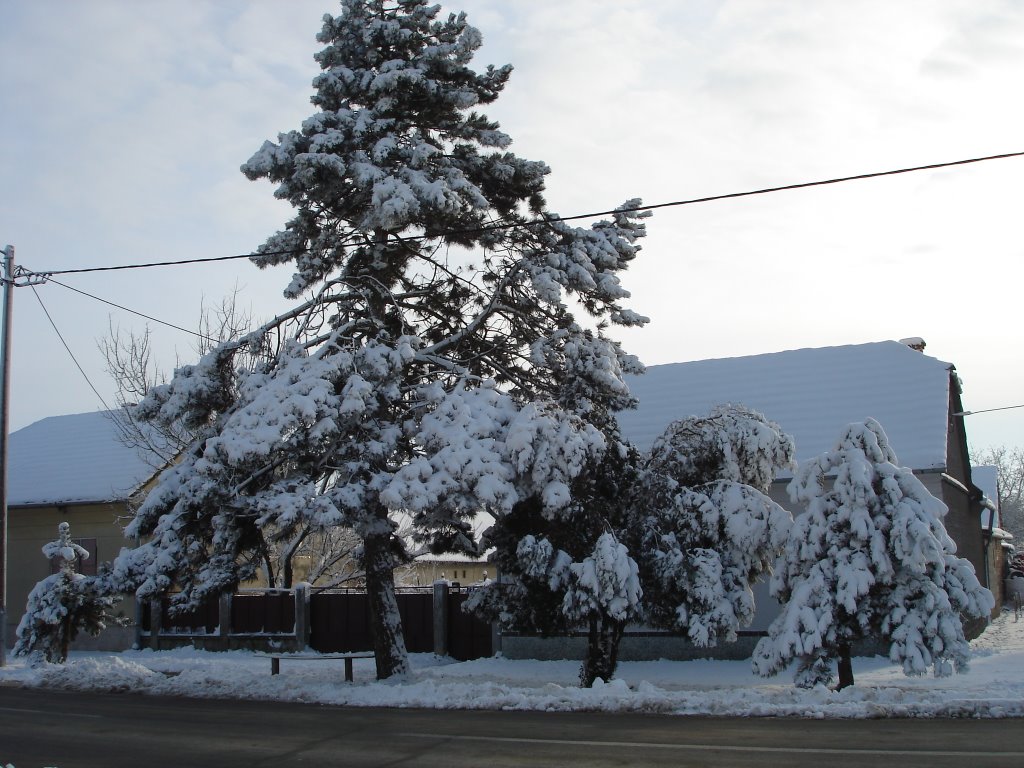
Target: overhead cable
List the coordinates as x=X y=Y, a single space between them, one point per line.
x=988 y=410
x=132 y=311
x=551 y=219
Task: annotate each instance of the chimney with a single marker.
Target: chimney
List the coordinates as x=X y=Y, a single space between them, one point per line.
x=914 y=342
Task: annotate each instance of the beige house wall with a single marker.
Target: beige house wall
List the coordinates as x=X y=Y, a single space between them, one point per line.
x=424 y=573
x=29 y=528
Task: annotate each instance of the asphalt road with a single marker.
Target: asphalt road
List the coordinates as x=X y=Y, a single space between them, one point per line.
x=80 y=730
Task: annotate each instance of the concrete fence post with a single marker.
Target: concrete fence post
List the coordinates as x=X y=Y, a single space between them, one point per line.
x=441 y=618
x=224 y=619
x=302 y=618
x=155 y=619
x=139 y=612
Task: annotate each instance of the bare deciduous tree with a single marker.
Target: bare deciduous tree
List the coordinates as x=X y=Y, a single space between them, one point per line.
x=324 y=558
x=1009 y=464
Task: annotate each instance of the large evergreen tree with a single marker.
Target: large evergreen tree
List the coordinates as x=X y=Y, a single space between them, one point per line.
x=431 y=363
x=869 y=558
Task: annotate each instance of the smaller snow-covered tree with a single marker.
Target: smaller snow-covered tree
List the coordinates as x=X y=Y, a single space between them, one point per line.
x=604 y=593
x=62 y=605
x=565 y=565
x=868 y=558
x=704 y=526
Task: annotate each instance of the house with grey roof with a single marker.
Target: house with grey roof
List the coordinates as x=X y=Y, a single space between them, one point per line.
x=813 y=393
x=72 y=469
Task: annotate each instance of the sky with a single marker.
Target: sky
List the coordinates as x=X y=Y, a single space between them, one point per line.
x=123 y=125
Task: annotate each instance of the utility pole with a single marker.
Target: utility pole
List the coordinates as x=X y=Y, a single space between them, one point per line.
x=5 y=390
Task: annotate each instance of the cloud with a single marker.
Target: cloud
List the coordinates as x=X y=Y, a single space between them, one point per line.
x=983 y=36
x=125 y=124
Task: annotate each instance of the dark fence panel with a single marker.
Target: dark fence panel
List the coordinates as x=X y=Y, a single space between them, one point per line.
x=468 y=636
x=339 y=622
x=417 y=611
x=263 y=612
x=203 y=620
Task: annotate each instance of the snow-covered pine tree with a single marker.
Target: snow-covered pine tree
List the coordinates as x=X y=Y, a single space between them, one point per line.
x=701 y=520
x=328 y=553
x=63 y=604
x=868 y=558
x=405 y=366
x=604 y=593
x=563 y=566
x=676 y=538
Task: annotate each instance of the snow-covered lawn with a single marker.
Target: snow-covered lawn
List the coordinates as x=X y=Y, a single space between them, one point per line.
x=993 y=687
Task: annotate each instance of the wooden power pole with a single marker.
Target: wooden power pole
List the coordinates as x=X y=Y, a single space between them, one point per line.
x=5 y=390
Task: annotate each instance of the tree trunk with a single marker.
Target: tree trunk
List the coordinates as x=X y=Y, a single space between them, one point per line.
x=385 y=621
x=268 y=563
x=845 y=667
x=288 y=575
x=65 y=636
x=602 y=650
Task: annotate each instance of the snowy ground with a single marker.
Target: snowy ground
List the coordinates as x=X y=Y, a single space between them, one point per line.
x=993 y=687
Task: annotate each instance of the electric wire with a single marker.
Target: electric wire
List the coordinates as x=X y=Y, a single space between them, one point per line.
x=988 y=410
x=47 y=275
x=132 y=311
x=72 y=354
x=552 y=219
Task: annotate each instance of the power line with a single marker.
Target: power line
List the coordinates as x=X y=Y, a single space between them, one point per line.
x=551 y=219
x=72 y=354
x=988 y=410
x=132 y=311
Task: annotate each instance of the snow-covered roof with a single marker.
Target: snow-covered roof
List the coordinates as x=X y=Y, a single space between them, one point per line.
x=454 y=557
x=74 y=459
x=480 y=522
x=811 y=393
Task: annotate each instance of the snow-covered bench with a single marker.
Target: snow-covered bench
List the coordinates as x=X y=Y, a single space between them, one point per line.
x=275 y=660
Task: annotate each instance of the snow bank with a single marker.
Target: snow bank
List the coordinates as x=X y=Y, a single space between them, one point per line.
x=994 y=686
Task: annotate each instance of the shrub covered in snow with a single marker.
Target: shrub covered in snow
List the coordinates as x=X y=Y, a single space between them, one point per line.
x=702 y=521
x=567 y=568
x=869 y=558
x=675 y=538
x=62 y=605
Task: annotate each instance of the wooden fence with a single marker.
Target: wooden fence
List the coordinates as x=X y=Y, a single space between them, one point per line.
x=327 y=621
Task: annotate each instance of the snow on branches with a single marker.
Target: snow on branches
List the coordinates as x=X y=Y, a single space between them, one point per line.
x=482 y=450
x=434 y=365
x=63 y=604
x=607 y=582
x=705 y=527
x=869 y=558
x=675 y=538
x=732 y=443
